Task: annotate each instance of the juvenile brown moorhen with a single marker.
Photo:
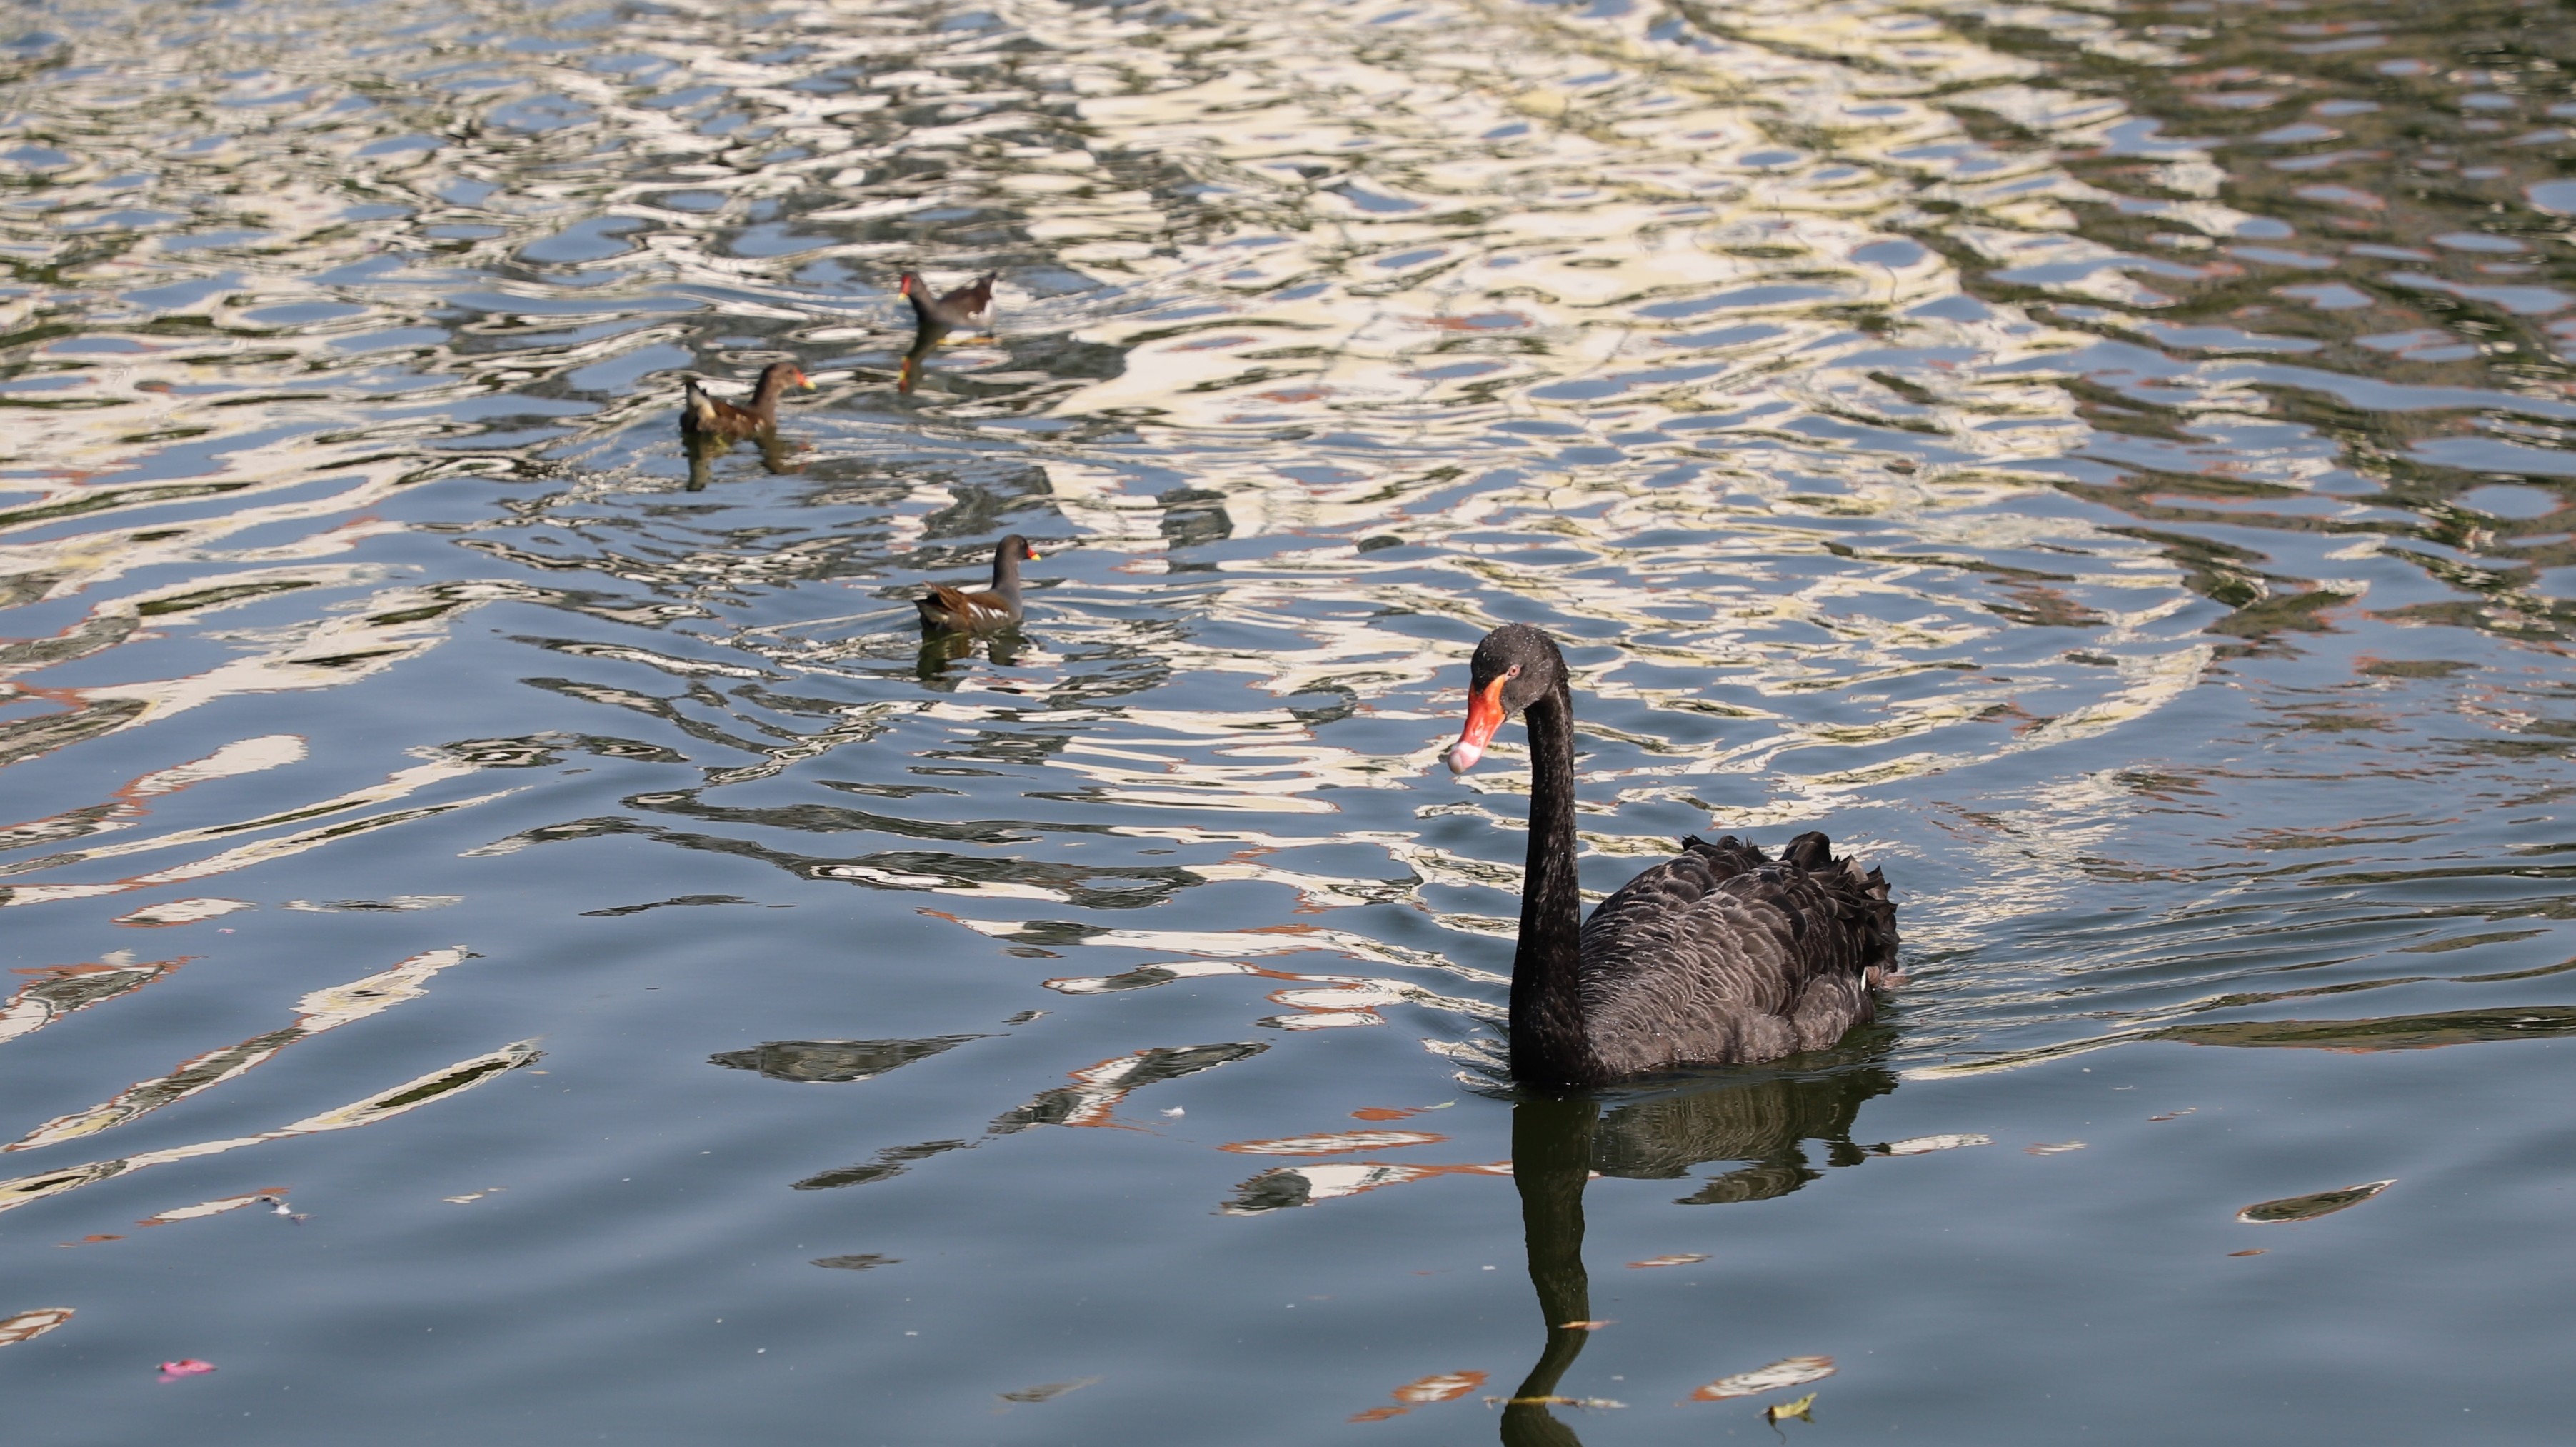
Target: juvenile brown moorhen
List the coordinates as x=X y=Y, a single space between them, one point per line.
x=936 y=316
x=713 y=417
x=953 y=610
x=1718 y=956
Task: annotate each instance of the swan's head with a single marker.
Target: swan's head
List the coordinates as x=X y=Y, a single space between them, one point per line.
x=1515 y=667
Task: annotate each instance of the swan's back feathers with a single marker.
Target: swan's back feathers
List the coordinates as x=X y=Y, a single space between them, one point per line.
x=1721 y=955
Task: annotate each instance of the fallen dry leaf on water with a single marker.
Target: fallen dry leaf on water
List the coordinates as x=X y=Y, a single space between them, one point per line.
x=2058 y=1149
x=28 y=1325
x=2257 y=1251
x=1683 y=1258
x=1046 y=1391
x=216 y=1207
x=2309 y=1207
x=1587 y=1325
x=1424 y=1392
x=184 y=1367
x=1787 y=1372
x=1336 y=1143
x=2176 y=1114
x=1926 y=1144
x=1798 y=1409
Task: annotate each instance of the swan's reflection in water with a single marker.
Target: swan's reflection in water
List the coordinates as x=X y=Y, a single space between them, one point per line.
x=1760 y=1119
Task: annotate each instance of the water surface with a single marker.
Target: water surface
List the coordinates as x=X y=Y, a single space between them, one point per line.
x=515 y=940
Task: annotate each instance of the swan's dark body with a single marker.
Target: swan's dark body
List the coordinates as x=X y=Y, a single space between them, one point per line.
x=1717 y=956
x=954 y=610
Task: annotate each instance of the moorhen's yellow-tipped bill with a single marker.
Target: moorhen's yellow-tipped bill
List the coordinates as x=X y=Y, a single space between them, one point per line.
x=1484 y=715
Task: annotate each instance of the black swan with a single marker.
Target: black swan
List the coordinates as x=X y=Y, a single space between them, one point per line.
x=953 y=610
x=936 y=316
x=710 y=417
x=1718 y=956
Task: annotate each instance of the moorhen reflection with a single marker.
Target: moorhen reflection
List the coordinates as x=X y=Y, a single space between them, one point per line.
x=1761 y=1121
x=1718 y=956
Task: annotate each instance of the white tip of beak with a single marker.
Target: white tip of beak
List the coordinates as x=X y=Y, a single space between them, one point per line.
x=1463 y=757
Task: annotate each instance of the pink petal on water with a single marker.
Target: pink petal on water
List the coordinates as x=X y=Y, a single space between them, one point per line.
x=184 y=1367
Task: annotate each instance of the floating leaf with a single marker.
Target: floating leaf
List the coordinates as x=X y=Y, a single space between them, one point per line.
x=2257 y=1251
x=1423 y=1392
x=2309 y=1207
x=2177 y=1114
x=1335 y=1144
x=184 y=1367
x=28 y=1325
x=215 y=1207
x=2058 y=1149
x=1925 y=1144
x=1787 y=1372
x=1439 y=1387
x=1798 y=1409
x=1047 y=1391
x=1679 y=1258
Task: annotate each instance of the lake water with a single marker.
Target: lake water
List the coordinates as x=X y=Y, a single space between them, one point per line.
x=514 y=941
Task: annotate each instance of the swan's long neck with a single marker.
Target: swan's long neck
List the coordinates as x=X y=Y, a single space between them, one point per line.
x=1548 y=1043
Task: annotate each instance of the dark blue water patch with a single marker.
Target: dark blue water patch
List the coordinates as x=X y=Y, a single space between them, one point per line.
x=1580 y=390
x=398 y=145
x=540 y=115
x=759 y=242
x=597 y=239
x=393 y=339
x=302 y=313
x=617 y=374
x=1891 y=254
x=1775 y=294
x=126 y=220
x=1374 y=201
x=213 y=240
x=1746 y=335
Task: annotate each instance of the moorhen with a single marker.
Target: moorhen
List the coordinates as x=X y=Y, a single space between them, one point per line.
x=712 y=417
x=936 y=316
x=954 y=610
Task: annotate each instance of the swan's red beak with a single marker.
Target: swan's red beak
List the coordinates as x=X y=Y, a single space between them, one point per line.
x=1484 y=715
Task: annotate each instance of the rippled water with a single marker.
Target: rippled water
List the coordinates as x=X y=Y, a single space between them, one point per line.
x=2108 y=464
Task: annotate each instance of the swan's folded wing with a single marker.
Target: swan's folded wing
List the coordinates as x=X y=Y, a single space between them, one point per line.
x=1697 y=962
